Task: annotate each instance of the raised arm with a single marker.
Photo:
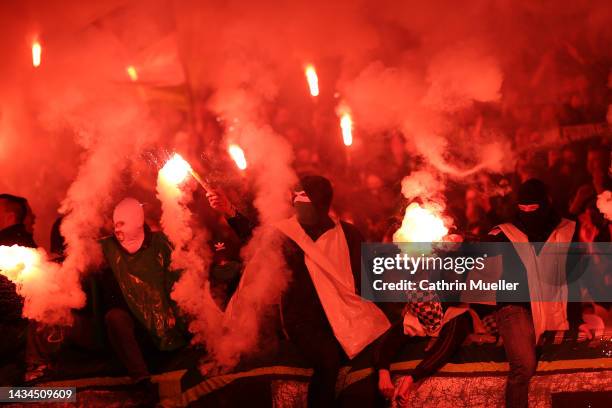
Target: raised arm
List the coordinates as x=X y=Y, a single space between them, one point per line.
x=242 y=226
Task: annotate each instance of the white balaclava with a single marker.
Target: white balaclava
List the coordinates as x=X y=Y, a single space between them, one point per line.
x=128 y=219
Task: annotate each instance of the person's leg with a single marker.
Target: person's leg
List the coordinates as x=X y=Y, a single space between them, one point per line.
x=321 y=349
x=82 y=333
x=122 y=336
x=12 y=352
x=515 y=327
x=42 y=345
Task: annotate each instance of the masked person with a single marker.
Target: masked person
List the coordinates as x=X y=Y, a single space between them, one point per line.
x=521 y=323
x=139 y=315
x=322 y=312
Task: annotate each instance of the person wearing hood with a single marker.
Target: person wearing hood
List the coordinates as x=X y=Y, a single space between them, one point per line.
x=321 y=310
x=138 y=312
x=522 y=319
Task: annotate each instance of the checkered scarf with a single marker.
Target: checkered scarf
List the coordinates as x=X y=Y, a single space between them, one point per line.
x=426 y=306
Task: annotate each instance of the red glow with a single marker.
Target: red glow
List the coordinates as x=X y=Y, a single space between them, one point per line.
x=313 y=80
x=132 y=73
x=237 y=155
x=346 y=124
x=421 y=224
x=36 y=54
x=176 y=170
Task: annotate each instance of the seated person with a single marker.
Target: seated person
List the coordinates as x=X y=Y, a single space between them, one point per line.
x=138 y=312
x=452 y=325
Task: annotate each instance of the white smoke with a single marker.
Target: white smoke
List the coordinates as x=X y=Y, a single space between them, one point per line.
x=192 y=257
x=48 y=294
x=604 y=203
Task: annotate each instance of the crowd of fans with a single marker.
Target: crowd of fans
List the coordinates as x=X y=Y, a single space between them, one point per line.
x=367 y=196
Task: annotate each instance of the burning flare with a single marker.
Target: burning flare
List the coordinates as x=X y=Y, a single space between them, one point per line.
x=36 y=54
x=313 y=80
x=346 y=124
x=49 y=295
x=421 y=224
x=176 y=170
x=192 y=290
x=237 y=155
x=18 y=263
x=132 y=73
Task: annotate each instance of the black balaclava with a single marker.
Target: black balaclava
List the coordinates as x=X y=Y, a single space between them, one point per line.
x=535 y=214
x=312 y=199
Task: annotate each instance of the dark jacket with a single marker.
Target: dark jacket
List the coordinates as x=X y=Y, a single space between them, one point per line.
x=514 y=270
x=141 y=283
x=300 y=302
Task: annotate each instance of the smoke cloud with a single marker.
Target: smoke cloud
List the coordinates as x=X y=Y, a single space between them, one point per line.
x=48 y=295
x=604 y=203
x=191 y=257
x=452 y=79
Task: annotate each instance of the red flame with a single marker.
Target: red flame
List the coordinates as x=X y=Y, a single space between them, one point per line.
x=175 y=171
x=346 y=124
x=313 y=80
x=237 y=155
x=421 y=224
x=36 y=54
x=132 y=73
x=19 y=264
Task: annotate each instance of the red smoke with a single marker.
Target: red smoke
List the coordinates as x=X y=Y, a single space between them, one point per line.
x=75 y=131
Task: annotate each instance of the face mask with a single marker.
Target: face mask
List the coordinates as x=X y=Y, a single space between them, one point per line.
x=128 y=219
x=306 y=213
x=535 y=219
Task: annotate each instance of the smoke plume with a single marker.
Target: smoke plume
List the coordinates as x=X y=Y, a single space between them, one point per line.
x=604 y=203
x=462 y=84
x=190 y=257
x=48 y=295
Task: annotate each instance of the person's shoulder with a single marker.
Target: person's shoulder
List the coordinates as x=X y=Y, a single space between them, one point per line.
x=159 y=238
x=495 y=231
x=17 y=235
x=109 y=245
x=106 y=238
x=496 y=234
x=108 y=241
x=350 y=230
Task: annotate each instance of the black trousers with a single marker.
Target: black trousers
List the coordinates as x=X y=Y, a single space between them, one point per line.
x=316 y=342
x=121 y=331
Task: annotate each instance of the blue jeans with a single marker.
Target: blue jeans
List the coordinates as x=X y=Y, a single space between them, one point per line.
x=515 y=326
